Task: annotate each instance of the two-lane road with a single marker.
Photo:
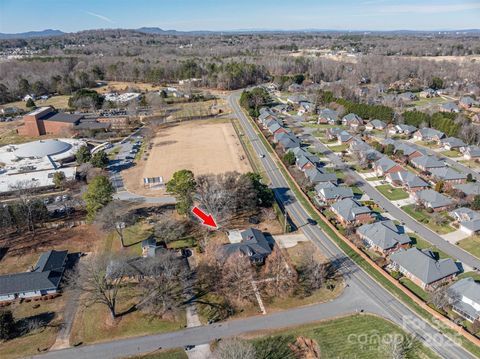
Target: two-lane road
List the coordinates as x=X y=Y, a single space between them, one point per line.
x=365 y=285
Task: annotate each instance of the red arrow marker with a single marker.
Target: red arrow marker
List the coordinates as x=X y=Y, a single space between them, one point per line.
x=207 y=219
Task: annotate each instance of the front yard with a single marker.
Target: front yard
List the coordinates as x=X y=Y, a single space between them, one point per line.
x=471 y=245
x=426 y=218
x=393 y=194
x=338 y=148
x=451 y=153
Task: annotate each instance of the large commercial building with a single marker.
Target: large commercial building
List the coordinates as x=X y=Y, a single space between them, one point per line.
x=33 y=164
x=47 y=121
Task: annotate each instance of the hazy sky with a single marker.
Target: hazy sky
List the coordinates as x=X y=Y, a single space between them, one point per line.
x=74 y=15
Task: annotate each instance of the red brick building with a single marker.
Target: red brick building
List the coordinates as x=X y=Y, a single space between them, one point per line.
x=46 y=121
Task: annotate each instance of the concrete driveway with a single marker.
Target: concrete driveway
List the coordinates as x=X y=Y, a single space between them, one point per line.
x=454 y=237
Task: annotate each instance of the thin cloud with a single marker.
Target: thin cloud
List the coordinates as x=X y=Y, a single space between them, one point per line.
x=101 y=17
x=428 y=9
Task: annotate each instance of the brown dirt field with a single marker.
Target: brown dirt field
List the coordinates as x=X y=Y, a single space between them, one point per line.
x=24 y=251
x=200 y=146
x=123 y=86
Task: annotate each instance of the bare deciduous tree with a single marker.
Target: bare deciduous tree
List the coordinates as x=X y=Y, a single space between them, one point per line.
x=163 y=284
x=279 y=278
x=225 y=195
x=115 y=216
x=101 y=278
x=168 y=229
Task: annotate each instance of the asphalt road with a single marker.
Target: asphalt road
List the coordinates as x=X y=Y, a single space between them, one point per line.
x=365 y=285
x=466 y=258
x=452 y=163
x=362 y=292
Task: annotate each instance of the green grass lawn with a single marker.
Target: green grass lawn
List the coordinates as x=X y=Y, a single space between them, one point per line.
x=338 y=148
x=348 y=337
x=357 y=191
x=182 y=243
x=474 y=275
x=375 y=179
x=471 y=245
x=421 y=243
x=451 y=153
x=419 y=292
x=93 y=324
x=426 y=218
x=393 y=194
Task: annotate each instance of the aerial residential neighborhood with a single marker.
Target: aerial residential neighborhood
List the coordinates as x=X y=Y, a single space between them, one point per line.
x=205 y=192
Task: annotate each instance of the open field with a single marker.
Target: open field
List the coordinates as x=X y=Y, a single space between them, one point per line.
x=59 y=102
x=342 y=338
x=94 y=324
x=118 y=86
x=200 y=146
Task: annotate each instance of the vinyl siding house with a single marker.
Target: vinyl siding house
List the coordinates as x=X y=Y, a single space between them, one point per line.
x=432 y=199
x=468 y=220
x=286 y=140
x=384 y=237
x=406 y=130
x=466 y=293
x=422 y=268
x=44 y=279
x=385 y=166
x=349 y=211
x=408 y=180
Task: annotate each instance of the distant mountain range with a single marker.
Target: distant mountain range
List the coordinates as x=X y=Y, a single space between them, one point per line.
x=32 y=34
x=159 y=31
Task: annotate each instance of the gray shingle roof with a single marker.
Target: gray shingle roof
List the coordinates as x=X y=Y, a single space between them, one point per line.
x=47 y=275
x=349 y=208
x=450 y=106
x=352 y=118
x=430 y=133
x=253 y=244
x=471 y=188
x=408 y=179
x=385 y=163
x=433 y=199
x=335 y=192
x=328 y=114
x=468 y=292
x=453 y=142
x=316 y=175
x=427 y=162
x=464 y=214
x=423 y=266
x=447 y=174
x=377 y=124
x=384 y=234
